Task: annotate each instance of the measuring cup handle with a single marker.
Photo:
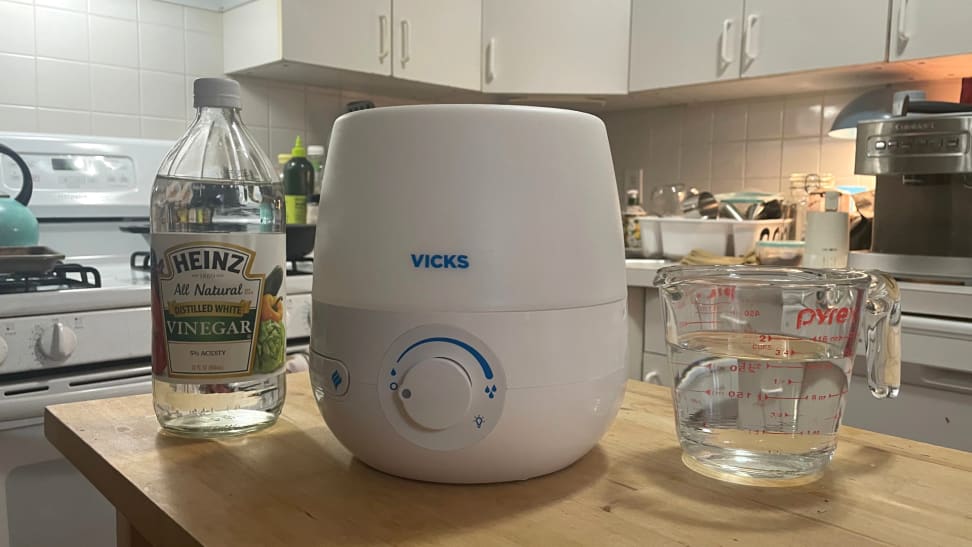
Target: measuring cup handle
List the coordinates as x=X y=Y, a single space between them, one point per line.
x=882 y=336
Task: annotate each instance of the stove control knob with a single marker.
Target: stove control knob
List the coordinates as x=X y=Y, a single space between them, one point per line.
x=436 y=393
x=57 y=342
x=3 y=350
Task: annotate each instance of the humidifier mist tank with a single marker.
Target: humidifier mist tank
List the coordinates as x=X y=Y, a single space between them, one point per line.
x=469 y=290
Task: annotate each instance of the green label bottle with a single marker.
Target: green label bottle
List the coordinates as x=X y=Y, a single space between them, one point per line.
x=298 y=180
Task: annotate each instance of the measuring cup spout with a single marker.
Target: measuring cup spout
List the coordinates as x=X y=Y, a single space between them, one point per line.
x=882 y=336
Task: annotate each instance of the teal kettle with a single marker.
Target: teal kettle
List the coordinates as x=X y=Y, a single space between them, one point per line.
x=18 y=226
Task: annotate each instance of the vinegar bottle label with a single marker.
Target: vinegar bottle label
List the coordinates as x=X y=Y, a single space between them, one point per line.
x=217 y=306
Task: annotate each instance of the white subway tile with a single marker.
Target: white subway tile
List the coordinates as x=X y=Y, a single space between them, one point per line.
x=763 y=159
x=256 y=104
x=16 y=28
x=771 y=185
x=190 y=110
x=728 y=159
x=161 y=48
x=286 y=108
x=126 y=9
x=63 y=121
x=722 y=186
x=19 y=85
x=262 y=137
x=282 y=141
x=76 y=5
x=663 y=160
x=62 y=34
x=114 y=89
x=18 y=118
x=321 y=111
x=113 y=41
x=203 y=20
x=697 y=124
x=63 y=84
x=765 y=120
x=162 y=95
x=837 y=157
x=114 y=125
x=204 y=54
x=162 y=13
x=696 y=162
x=802 y=116
x=800 y=156
x=730 y=122
x=161 y=128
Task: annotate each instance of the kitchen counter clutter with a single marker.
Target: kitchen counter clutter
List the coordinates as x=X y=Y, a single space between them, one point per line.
x=295 y=484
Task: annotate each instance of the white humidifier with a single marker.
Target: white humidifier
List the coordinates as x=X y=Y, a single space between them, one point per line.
x=469 y=290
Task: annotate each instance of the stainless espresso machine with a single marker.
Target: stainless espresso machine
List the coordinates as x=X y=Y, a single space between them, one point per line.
x=923 y=198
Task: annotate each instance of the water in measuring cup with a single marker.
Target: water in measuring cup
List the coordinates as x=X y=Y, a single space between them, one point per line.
x=758 y=408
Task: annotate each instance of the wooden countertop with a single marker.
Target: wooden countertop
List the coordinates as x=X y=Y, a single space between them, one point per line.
x=294 y=484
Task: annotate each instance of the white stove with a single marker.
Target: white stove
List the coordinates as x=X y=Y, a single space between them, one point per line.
x=63 y=342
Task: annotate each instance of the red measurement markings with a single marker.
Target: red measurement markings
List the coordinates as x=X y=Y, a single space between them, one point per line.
x=825 y=338
x=766 y=432
x=716 y=292
x=740 y=367
x=807 y=366
x=789 y=381
x=775 y=414
x=764 y=397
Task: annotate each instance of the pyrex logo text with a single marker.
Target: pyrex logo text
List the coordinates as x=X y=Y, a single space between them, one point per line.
x=440 y=261
x=811 y=316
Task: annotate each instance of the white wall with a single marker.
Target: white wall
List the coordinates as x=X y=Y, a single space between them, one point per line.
x=735 y=145
x=125 y=68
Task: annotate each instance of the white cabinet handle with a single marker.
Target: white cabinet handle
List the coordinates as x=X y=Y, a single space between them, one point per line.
x=490 y=51
x=725 y=54
x=751 y=46
x=406 y=38
x=903 y=35
x=382 y=37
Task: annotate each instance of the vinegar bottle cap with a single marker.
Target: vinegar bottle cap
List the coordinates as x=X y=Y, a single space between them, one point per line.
x=298 y=151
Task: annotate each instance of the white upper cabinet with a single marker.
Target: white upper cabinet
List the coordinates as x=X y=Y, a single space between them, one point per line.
x=556 y=46
x=684 y=42
x=781 y=36
x=437 y=41
x=930 y=28
x=347 y=34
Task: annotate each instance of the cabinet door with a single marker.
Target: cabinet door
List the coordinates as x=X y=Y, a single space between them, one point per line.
x=346 y=34
x=930 y=28
x=684 y=42
x=437 y=41
x=556 y=46
x=781 y=36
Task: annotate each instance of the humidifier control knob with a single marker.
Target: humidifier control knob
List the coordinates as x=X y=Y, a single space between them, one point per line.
x=435 y=393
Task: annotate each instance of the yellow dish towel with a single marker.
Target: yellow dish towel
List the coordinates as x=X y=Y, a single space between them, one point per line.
x=704 y=258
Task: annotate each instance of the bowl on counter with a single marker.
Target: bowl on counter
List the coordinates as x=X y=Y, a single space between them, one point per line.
x=780 y=253
x=680 y=236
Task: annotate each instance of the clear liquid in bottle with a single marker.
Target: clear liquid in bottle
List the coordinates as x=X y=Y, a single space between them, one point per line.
x=218 y=244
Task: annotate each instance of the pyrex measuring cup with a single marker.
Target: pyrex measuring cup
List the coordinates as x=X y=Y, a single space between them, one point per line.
x=762 y=359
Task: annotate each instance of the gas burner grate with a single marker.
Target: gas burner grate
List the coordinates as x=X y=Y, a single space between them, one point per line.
x=62 y=277
x=141 y=261
x=294 y=266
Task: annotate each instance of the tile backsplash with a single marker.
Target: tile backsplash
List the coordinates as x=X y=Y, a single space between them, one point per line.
x=125 y=68
x=737 y=145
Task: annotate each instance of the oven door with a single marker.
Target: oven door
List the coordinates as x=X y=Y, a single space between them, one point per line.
x=38 y=486
x=44 y=500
